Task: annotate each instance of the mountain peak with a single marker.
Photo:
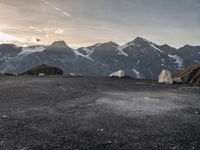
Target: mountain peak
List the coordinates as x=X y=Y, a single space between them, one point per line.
x=111 y=43
x=59 y=44
x=60 y=47
x=8 y=45
x=187 y=46
x=140 y=39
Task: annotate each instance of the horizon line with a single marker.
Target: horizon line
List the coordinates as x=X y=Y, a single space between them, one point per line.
x=23 y=44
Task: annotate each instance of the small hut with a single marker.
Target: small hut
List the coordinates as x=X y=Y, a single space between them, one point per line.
x=189 y=75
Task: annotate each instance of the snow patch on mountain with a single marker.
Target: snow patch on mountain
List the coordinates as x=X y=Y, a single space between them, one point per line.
x=59 y=44
x=137 y=73
x=178 y=60
x=130 y=44
x=156 y=48
x=29 y=50
x=138 y=62
x=88 y=53
x=98 y=44
x=120 y=50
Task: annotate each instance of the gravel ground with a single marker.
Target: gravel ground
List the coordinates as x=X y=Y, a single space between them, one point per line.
x=62 y=113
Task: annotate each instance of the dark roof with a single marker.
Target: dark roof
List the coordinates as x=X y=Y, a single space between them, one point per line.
x=46 y=69
x=190 y=74
x=187 y=71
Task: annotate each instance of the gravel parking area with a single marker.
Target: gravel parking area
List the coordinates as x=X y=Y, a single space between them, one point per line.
x=76 y=113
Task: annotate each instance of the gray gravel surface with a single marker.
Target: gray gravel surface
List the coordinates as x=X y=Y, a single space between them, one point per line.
x=62 y=113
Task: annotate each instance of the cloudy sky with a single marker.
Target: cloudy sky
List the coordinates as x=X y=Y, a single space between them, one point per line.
x=85 y=22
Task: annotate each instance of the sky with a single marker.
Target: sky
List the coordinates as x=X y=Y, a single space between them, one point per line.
x=86 y=22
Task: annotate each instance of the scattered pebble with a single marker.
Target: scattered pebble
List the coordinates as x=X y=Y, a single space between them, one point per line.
x=174 y=147
x=4 y=116
x=25 y=148
x=102 y=130
x=156 y=146
x=1 y=143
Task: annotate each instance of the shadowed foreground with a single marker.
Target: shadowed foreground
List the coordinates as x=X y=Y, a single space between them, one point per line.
x=60 y=113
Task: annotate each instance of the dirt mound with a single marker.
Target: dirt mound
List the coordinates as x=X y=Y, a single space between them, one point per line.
x=44 y=69
x=189 y=75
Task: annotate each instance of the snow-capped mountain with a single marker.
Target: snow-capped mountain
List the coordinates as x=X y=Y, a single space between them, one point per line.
x=139 y=58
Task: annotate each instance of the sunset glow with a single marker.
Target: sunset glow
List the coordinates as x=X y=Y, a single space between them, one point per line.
x=81 y=23
x=7 y=38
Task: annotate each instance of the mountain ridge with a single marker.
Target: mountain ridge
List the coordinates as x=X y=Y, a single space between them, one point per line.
x=139 y=58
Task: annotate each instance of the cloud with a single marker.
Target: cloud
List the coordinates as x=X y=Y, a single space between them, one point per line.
x=7 y=37
x=45 y=2
x=37 y=36
x=161 y=21
x=63 y=12
x=57 y=9
x=66 y=14
x=48 y=31
x=35 y=39
x=59 y=31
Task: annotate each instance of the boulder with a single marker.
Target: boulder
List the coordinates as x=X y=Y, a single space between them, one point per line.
x=75 y=74
x=44 y=70
x=165 y=77
x=190 y=75
x=41 y=74
x=118 y=74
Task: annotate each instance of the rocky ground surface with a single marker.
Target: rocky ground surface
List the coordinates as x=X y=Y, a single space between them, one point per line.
x=62 y=113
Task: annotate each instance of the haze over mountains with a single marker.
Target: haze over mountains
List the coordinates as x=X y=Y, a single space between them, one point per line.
x=139 y=58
